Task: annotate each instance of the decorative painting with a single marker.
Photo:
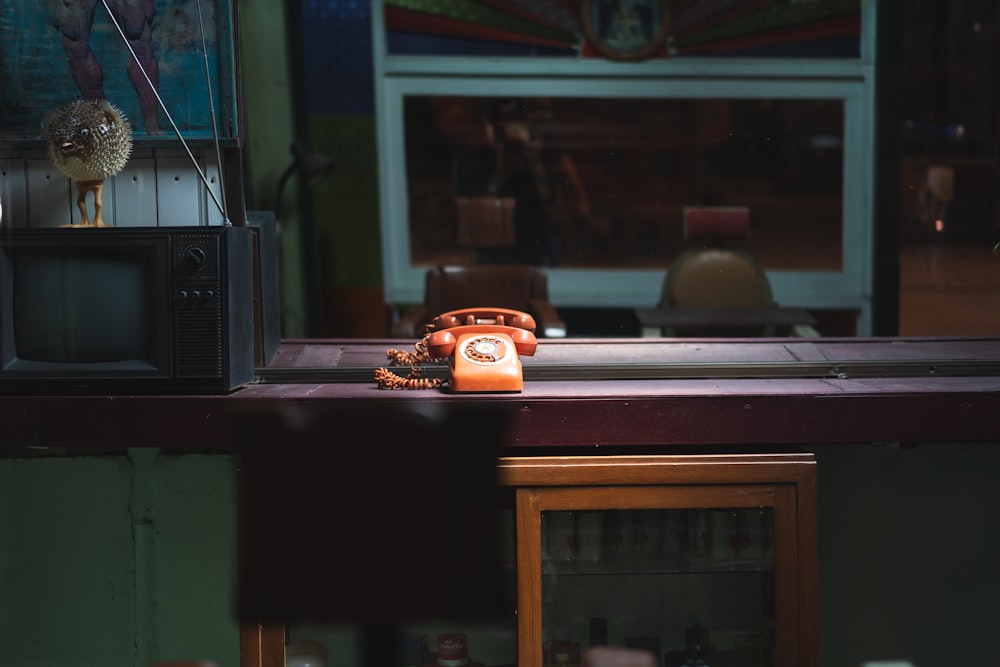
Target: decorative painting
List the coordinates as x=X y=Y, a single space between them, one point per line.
x=625 y=29
x=55 y=51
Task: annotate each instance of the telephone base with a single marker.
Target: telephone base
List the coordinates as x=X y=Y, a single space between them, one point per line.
x=485 y=363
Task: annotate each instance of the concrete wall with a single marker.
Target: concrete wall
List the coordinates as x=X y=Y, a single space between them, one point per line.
x=118 y=560
x=909 y=545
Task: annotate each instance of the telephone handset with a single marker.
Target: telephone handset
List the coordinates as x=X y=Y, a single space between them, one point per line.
x=484 y=346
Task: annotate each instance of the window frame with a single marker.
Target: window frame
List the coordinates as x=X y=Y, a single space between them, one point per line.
x=849 y=80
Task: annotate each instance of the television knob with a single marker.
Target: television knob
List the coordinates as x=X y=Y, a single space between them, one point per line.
x=196 y=294
x=182 y=294
x=195 y=255
x=209 y=293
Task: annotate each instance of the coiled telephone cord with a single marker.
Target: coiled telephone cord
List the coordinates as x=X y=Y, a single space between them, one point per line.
x=388 y=379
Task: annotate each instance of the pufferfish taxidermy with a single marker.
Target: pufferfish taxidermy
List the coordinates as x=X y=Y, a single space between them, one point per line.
x=88 y=141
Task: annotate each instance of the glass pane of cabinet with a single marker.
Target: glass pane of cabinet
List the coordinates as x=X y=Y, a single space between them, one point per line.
x=700 y=560
x=694 y=586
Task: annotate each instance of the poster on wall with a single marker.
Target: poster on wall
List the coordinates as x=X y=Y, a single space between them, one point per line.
x=166 y=64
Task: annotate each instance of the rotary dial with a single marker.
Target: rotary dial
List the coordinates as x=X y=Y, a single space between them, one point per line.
x=484 y=349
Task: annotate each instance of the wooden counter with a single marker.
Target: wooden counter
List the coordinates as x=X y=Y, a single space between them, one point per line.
x=585 y=393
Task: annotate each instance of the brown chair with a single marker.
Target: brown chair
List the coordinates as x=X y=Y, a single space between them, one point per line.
x=721 y=290
x=447 y=288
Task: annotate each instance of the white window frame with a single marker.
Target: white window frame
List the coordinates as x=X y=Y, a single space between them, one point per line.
x=849 y=80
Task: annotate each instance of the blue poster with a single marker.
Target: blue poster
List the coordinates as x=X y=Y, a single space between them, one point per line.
x=156 y=60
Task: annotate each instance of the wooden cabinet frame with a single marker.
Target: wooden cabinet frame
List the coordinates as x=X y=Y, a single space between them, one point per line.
x=785 y=482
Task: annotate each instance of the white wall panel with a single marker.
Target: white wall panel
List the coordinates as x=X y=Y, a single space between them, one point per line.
x=13 y=191
x=134 y=192
x=51 y=197
x=180 y=192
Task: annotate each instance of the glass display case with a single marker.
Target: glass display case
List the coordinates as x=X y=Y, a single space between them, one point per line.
x=702 y=560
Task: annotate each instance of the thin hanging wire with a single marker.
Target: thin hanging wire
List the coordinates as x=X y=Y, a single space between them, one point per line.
x=211 y=108
x=208 y=186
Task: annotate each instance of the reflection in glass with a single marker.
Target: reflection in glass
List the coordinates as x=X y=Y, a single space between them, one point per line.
x=602 y=182
x=687 y=584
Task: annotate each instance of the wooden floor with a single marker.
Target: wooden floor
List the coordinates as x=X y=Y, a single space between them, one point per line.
x=949 y=290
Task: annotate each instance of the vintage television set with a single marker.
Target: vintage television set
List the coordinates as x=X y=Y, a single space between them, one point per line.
x=126 y=310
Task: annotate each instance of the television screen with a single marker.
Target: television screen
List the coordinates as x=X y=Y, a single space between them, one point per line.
x=82 y=308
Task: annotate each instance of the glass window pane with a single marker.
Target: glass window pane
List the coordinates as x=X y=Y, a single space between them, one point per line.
x=601 y=183
x=949 y=170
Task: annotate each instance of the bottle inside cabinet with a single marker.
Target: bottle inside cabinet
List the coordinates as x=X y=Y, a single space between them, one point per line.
x=693 y=586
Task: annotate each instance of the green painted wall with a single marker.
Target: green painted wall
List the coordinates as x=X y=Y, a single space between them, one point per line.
x=908 y=546
x=118 y=560
x=269 y=129
x=347 y=204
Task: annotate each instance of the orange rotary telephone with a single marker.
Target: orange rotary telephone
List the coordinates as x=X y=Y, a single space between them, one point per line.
x=484 y=344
